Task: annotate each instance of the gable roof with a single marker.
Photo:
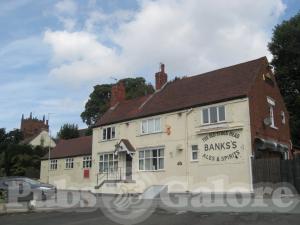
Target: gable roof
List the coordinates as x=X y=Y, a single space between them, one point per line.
x=216 y=86
x=29 y=139
x=71 y=147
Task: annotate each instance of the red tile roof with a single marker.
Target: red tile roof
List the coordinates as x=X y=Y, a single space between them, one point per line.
x=71 y=147
x=216 y=86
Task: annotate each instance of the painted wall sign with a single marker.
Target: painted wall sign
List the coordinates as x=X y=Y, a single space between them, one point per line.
x=222 y=146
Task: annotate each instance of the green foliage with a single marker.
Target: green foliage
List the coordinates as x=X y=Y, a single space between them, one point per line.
x=97 y=104
x=89 y=131
x=17 y=159
x=285 y=48
x=99 y=99
x=68 y=131
x=136 y=87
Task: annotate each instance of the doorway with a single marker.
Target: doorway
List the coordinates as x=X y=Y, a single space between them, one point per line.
x=128 y=167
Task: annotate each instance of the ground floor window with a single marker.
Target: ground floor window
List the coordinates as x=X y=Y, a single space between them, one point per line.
x=194 y=152
x=108 y=162
x=53 y=164
x=87 y=162
x=151 y=159
x=69 y=163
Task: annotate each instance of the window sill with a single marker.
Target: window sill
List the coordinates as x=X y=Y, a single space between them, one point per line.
x=212 y=124
x=158 y=132
x=218 y=127
x=194 y=160
x=113 y=139
x=151 y=170
x=273 y=127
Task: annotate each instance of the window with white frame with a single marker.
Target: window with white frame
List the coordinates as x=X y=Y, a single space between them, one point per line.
x=108 y=162
x=53 y=164
x=87 y=161
x=151 y=159
x=108 y=133
x=149 y=126
x=194 y=152
x=213 y=114
x=69 y=163
x=282 y=117
x=271 y=104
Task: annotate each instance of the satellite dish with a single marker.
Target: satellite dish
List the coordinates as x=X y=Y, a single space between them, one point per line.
x=267 y=121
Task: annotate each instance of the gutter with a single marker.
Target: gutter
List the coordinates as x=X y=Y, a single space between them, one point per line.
x=169 y=111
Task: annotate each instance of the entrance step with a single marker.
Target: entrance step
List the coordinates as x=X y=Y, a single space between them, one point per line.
x=153 y=191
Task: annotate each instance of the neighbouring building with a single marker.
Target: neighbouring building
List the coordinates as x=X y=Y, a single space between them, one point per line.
x=188 y=132
x=69 y=165
x=36 y=132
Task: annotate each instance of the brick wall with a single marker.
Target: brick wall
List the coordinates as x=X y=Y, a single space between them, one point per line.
x=265 y=86
x=32 y=126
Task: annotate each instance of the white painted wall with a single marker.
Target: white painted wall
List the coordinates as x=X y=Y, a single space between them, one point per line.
x=63 y=178
x=43 y=139
x=186 y=130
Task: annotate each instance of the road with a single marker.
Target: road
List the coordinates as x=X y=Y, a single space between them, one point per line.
x=158 y=217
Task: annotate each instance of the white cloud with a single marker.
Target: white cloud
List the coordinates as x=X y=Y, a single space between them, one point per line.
x=66 y=6
x=189 y=36
x=78 y=56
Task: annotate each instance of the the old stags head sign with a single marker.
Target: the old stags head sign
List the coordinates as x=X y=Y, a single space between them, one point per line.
x=222 y=146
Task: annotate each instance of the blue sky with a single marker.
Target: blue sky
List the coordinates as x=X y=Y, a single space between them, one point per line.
x=52 y=53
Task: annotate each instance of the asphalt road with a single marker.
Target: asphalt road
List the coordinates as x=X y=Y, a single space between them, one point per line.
x=158 y=217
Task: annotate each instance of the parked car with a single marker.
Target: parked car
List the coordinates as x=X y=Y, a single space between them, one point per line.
x=25 y=188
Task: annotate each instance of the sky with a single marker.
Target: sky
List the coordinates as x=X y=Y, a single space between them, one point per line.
x=53 y=52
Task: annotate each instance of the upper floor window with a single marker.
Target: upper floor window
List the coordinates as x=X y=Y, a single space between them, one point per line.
x=149 y=126
x=282 y=117
x=271 y=104
x=69 y=163
x=87 y=161
x=213 y=114
x=53 y=164
x=108 y=133
x=151 y=159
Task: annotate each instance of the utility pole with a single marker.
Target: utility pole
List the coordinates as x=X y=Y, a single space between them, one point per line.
x=49 y=148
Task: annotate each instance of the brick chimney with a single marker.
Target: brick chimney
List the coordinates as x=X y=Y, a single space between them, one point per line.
x=117 y=93
x=161 y=77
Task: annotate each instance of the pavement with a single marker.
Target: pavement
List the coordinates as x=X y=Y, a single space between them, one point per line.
x=158 y=217
x=176 y=209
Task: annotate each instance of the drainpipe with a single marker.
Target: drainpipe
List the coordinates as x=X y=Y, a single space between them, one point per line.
x=251 y=157
x=187 y=148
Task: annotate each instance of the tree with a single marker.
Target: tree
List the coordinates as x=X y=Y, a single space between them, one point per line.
x=285 y=48
x=17 y=159
x=98 y=101
x=68 y=131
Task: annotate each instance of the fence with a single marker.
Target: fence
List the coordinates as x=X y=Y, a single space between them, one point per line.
x=274 y=171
